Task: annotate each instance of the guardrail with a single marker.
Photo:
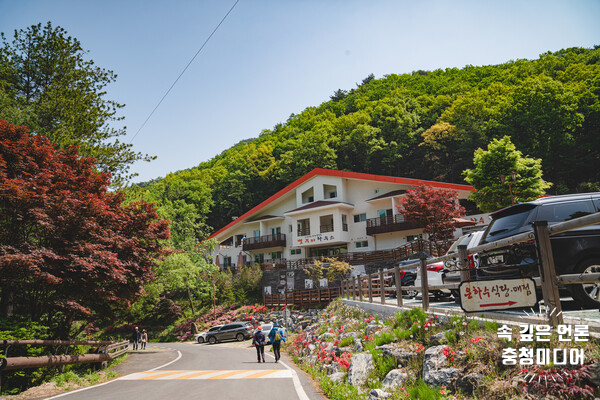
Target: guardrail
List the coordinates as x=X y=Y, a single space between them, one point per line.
x=300 y=298
x=106 y=351
x=548 y=279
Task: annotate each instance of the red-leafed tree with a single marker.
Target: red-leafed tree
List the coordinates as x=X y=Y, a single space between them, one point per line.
x=433 y=208
x=69 y=247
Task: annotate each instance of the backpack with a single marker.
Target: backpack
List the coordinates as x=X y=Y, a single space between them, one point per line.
x=277 y=336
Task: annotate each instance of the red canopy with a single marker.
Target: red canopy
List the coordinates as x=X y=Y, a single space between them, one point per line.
x=460 y=222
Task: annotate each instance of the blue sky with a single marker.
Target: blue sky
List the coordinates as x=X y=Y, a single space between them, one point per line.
x=273 y=58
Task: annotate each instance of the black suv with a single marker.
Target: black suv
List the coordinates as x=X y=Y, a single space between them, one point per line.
x=236 y=330
x=576 y=251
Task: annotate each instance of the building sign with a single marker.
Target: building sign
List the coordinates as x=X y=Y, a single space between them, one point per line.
x=497 y=295
x=308 y=284
x=479 y=219
x=319 y=238
x=267 y=289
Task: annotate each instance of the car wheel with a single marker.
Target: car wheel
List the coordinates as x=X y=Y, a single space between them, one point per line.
x=587 y=294
x=240 y=337
x=411 y=293
x=212 y=340
x=200 y=339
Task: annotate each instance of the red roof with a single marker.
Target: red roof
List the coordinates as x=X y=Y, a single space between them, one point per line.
x=342 y=174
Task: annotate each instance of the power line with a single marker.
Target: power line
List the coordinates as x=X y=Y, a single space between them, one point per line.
x=186 y=67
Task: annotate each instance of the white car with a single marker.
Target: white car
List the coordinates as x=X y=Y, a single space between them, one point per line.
x=451 y=272
x=434 y=277
x=201 y=337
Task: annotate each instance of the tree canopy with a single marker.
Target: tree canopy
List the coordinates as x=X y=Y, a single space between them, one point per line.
x=48 y=84
x=69 y=247
x=502 y=176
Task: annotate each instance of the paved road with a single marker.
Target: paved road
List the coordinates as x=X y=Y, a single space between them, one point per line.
x=223 y=371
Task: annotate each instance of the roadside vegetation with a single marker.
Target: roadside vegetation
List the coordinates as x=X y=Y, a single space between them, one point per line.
x=420 y=356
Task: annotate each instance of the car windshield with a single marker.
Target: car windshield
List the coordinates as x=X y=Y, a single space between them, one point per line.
x=465 y=239
x=505 y=222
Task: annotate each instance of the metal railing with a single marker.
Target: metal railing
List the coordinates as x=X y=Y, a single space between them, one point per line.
x=107 y=351
x=548 y=279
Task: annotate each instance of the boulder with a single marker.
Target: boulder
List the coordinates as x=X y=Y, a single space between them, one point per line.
x=467 y=383
x=360 y=367
x=437 y=339
x=372 y=328
x=595 y=374
x=402 y=357
x=337 y=377
x=434 y=372
x=393 y=379
x=358 y=346
x=378 y=394
x=311 y=348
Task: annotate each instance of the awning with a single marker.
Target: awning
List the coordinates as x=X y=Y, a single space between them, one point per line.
x=461 y=222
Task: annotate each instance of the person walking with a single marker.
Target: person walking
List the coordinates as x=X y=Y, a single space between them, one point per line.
x=144 y=338
x=276 y=336
x=135 y=337
x=258 y=340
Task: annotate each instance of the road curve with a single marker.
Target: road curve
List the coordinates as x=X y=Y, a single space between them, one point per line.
x=223 y=371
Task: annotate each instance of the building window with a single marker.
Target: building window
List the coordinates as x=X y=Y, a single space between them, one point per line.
x=360 y=217
x=276 y=255
x=226 y=262
x=308 y=196
x=295 y=251
x=362 y=243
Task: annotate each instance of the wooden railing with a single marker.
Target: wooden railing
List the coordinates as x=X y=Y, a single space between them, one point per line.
x=302 y=298
x=361 y=286
x=390 y=223
x=265 y=241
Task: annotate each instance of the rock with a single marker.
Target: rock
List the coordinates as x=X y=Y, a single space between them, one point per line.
x=402 y=357
x=327 y=337
x=595 y=374
x=311 y=348
x=360 y=367
x=437 y=339
x=469 y=382
x=348 y=334
x=378 y=394
x=433 y=372
x=371 y=328
x=358 y=346
x=394 y=378
x=337 y=377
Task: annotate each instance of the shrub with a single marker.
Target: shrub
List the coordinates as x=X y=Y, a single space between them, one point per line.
x=347 y=341
x=384 y=338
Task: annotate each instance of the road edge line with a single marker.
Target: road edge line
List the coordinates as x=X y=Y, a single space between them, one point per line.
x=114 y=380
x=297 y=384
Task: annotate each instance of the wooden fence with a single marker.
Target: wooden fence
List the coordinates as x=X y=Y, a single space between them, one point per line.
x=368 y=286
x=302 y=298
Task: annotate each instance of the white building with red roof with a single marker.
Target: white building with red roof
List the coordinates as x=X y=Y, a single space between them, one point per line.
x=324 y=213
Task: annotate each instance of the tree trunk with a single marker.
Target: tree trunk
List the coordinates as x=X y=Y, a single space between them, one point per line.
x=6 y=302
x=191 y=302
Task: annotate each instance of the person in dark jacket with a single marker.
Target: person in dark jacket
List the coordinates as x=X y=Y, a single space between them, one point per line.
x=276 y=336
x=258 y=340
x=135 y=338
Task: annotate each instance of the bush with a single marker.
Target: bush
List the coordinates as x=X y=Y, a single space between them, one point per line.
x=346 y=342
x=384 y=338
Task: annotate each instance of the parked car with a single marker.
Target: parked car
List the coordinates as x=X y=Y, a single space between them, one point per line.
x=266 y=328
x=434 y=277
x=575 y=251
x=235 y=331
x=408 y=277
x=201 y=337
x=451 y=272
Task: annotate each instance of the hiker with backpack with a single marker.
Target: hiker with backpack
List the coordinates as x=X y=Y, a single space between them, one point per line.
x=276 y=336
x=258 y=340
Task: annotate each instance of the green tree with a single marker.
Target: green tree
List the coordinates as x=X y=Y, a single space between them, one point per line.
x=501 y=159
x=47 y=84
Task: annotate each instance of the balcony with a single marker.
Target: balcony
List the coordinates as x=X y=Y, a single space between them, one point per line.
x=263 y=242
x=303 y=231
x=326 y=228
x=390 y=223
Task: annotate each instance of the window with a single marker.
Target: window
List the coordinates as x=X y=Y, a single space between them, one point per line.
x=308 y=196
x=565 y=211
x=296 y=251
x=362 y=243
x=226 y=262
x=256 y=234
x=385 y=213
x=276 y=231
x=360 y=217
x=291 y=229
x=276 y=255
x=411 y=238
x=259 y=258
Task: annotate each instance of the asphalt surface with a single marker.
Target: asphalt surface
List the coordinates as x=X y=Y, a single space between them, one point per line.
x=201 y=371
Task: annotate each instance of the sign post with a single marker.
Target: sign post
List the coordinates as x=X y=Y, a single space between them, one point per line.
x=498 y=294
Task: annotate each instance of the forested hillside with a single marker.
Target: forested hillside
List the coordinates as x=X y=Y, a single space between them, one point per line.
x=425 y=124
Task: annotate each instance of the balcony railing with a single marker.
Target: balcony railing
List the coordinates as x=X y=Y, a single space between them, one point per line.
x=263 y=242
x=390 y=223
x=303 y=231
x=326 y=228
x=434 y=249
